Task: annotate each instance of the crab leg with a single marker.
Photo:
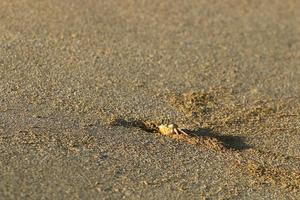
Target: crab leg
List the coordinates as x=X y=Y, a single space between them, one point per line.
x=176 y=131
x=181 y=131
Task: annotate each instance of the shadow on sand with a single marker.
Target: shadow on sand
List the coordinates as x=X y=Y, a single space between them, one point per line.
x=229 y=141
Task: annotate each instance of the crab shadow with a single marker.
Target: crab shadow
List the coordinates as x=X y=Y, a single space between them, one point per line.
x=229 y=141
x=233 y=142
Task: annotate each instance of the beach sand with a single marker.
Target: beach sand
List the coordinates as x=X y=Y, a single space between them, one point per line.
x=84 y=85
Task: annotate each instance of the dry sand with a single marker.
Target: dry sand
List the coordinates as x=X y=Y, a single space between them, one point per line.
x=84 y=84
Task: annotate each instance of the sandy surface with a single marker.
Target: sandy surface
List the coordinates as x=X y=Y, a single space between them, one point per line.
x=83 y=82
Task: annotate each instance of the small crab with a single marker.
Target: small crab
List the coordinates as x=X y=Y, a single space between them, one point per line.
x=171 y=129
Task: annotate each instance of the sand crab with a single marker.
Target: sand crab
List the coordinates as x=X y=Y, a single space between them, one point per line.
x=171 y=129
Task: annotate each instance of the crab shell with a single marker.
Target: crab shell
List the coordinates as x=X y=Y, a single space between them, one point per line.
x=168 y=129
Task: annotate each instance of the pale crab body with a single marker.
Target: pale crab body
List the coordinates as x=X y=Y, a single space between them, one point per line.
x=170 y=129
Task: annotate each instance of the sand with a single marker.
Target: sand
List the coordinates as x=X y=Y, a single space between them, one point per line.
x=85 y=84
